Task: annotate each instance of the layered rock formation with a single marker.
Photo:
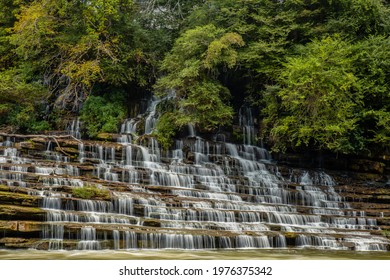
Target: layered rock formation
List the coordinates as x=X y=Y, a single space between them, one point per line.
x=67 y=193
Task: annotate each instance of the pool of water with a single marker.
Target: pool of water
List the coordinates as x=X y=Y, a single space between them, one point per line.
x=288 y=254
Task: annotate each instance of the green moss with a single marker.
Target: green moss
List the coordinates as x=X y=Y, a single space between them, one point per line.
x=91 y=192
x=386 y=233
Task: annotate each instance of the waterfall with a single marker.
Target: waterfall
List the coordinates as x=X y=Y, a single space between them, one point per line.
x=151 y=119
x=73 y=128
x=246 y=122
x=201 y=195
x=88 y=239
x=191 y=130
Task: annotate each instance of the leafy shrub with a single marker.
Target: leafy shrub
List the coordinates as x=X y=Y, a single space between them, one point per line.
x=26 y=119
x=166 y=129
x=320 y=100
x=100 y=114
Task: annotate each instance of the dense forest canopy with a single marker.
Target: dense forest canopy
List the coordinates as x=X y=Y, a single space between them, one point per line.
x=317 y=71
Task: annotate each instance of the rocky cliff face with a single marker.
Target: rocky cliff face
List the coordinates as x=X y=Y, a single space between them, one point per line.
x=65 y=193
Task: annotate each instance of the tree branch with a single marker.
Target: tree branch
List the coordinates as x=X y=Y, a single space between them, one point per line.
x=52 y=137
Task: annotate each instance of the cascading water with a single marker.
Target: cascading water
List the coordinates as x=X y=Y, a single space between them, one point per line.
x=73 y=128
x=247 y=124
x=200 y=195
x=152 y=114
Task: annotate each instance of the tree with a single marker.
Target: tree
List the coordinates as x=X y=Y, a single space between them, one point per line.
x=265 y=26
x=72 y=45
x=318 y=101
x=22 y=98
x=373 y=69
x=192 y=68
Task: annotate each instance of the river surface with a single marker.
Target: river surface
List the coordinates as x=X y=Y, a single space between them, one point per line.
x=287 y=254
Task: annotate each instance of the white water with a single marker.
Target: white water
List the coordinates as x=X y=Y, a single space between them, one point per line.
x=74 y=128
x=224 y=196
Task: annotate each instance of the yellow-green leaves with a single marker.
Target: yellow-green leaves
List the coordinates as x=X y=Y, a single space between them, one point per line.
x=85 y=72
x=222 y=51
x=200 y=50
x=32 y=31
x=71 y=43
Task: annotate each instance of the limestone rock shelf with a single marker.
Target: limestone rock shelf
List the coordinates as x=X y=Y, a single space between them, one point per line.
x=74 y=194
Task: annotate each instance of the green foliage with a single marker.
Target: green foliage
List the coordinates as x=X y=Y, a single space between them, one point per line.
x=350 y=18
x=373 y=69
x=76 y=44
x=192 y=66
x=319 y=99
x=100 y=114
x=332 y=95
x=205 y=106
x=319 y=70
x=17 y=89
x=91 y=192
x=263 y=25
x=22 y=102
x=358 y=18
x=166 y=130
x=26 y=119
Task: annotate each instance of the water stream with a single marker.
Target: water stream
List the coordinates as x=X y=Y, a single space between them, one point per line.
x=202 y=195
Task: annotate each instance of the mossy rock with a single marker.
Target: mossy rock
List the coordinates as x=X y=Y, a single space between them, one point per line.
x=19 y=199
x=290 y=235
x=104 y=136
x=12 y=212
x=67 y=150
x=31 y=145
x=91 y=192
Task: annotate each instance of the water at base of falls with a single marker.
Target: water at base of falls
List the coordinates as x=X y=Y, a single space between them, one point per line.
x=201 y=195
x=237 y=254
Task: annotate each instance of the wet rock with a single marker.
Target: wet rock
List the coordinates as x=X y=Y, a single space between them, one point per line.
x=367 y=166
x=67 y=150
x=31 y=145
x=8 y=226
x=19 y=243
x=12 y=240
x=12 y=212
x=189 y=157
x=383 y=221
x=19 y=199
x=349 y=245
x=107 y=137
x=29 y=226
